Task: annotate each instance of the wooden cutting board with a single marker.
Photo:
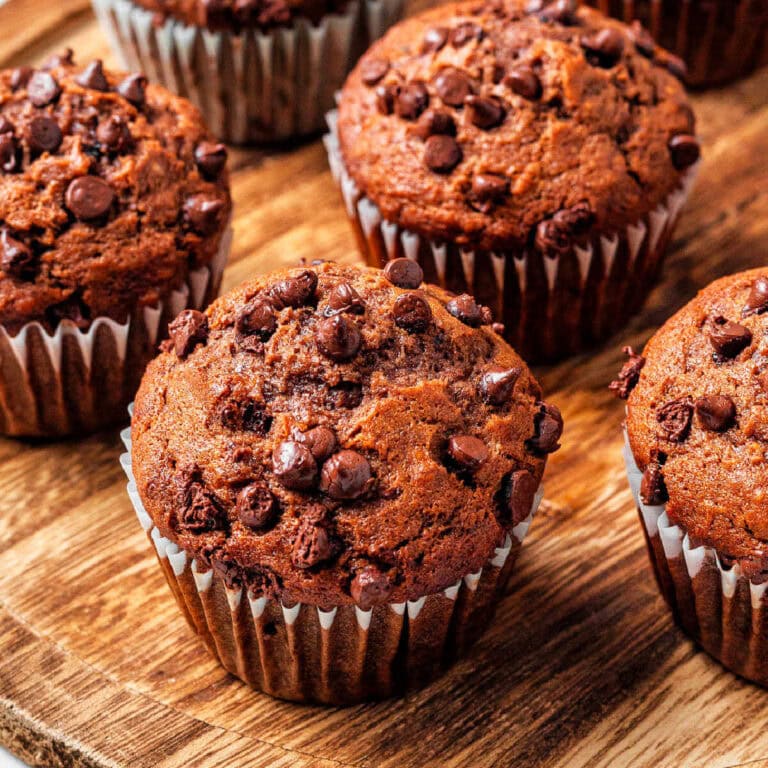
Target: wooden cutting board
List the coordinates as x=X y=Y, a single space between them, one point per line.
x=583 y=665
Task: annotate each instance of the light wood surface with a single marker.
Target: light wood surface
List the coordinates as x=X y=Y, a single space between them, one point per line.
x=583 y=666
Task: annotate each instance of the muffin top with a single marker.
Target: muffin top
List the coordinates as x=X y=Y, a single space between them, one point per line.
x=332 y=434
x=513 y=123
x=111 y=190
x=697 y=418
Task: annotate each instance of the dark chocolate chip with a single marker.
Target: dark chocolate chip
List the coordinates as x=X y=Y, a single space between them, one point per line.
x=385 y=97
x=442 y=153
x=412 y=100
x=17 y=259
x=716 y=412
x=684 y=150
x=485 y=112
x=113 y=134
x=201 y=511
x=520 y=492
x=346 y=475
x=312 y=545
x=188 y=329
x=210 y=159
x=89 y=197
x=294 y=466
x=604 y=47
x=642 y=39
x=467 y=451
x=256 y=319
x=20 y=77
x=404 y=273
x=203 y=213
x=373 y=69
x=548 y=426
x=93 y=77
x=43 y=134
x=43 y=88
x=434 y=122
x=256 y=506
x=294 y=291
x=453 y=86
x=629 y=374
x=63 y=59
x=653 y=491
x=347 y=394
x=675 y=65
x=675 y=419
x=133 y=89
x=489 y=186
x=370 y=586
x=523 y=81
x=321 y=442
x=434 y=39
x=466 y=309
x=728 y=338
x=338 y=337
x=561 y=12
x=464 y=33
x=498 y=328
x=497 y=384
x=246 y=415
x=412 y=313
x=757 y=301
x=555 y=236
x=344 y=298
x=10 y=156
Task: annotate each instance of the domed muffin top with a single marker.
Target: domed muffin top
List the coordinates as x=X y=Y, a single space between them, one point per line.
x=111 y=190
x=697 y=418
x=332 y=434
x=512 y=123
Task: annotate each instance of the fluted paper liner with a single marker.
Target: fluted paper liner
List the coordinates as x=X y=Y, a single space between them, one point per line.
x=74 y=381
x=551 y=307
x=336 y=656
x=717 y=606
x=256 y=86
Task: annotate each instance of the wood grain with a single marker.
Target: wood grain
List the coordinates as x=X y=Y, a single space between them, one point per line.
x=583 y=665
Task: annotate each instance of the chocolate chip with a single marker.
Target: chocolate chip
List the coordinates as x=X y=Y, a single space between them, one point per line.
x=385 y=98
x=485 y=112
x=346 y=475
x=344 y=298
x=489 y=187
x=497 y=384
x=464 y=33
x=757 y=301
x=113 y=134
x=312 y=545
x=201 y=511
x=653 y=491
x=203 y=213
x=466 y=309
x=17 y=259
x=520 y=490
x=210 y=159
x=347 y=394
x=294 y=466
x=10 y=156
x=89 y=197
x=548 y=426
x=256 y=506
x=6 y=126
x=453 y=86
x=442 y=153
x=65 y=58
x=467 y=451
x=370 y=586
x=604 y=47
x=498 y=328
x=246 y=415
x=684 y=150
x=728 y=338
x=132 y=89
x=629 y=374
x=434 y=39
x=43 y=88
x=555 y=236
x=294 y=291
x=523 y=81
x=434 y=122
x=642 y=39
x=373 y=69
x=256 y=321
x=675 y=65
x=43 y=134
x=716 y=412
x=412 y=313
x=93 y=77
x=675 y=419
x=188 y=329
x=320 y=440
x=20 y=77
x=404 y=273
x=412 y=100
x=338 y=337
x=561 y=12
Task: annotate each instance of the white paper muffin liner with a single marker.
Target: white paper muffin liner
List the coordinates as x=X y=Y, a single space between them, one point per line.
x=337 y=656
x=74 y=381
x=256 y=86
x=551 y=307
x=716 y=605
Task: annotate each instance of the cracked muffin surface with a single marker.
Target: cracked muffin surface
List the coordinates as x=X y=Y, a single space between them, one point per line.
x=333 y=435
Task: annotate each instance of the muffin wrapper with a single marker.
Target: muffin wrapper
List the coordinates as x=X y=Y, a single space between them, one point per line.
x=720 y=40
x=256 y=86
x=74 y=381
x=335 y=656
x=551 y=307
x=721 y=609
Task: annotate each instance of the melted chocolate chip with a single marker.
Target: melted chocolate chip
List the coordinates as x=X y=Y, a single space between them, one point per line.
x=757 y=301
x=255 y=322
x=201 y=511
x=485 y=112
x=188 y=329
x=684 y=150
x=434 y=39
x=321 y=442
x=294 y=291
x=89 y=197
x=344 y=298
x=442 y=153
x=203 y=213
x=245 y=415
x=604 y=47
x=113 y=134
x=346 y=475
x=370 y=586
x=561 y=12
x=467 y=451
x=466 y=309
x=404 y=273
x=434 y=122
x=716 y=413
x=43 y=134
x=312 y=545
x=373 y=69
x=385 y=98
x=728 y=338
x=133 y=89
x=93 y=77
x=497 y=384
x=256 y=506
x=411 y=101
x=338 y=337
x=412 y=313
x=653 y=491
x=464 y=33
x=43 y=88
x=629 y=374
x=523 y=81
x=17 y=259
x=453 y=86
x=10 y=156
x=675 y=419
x=20 y=77
x=294 y=466
x=210 y=159
x=548 y=427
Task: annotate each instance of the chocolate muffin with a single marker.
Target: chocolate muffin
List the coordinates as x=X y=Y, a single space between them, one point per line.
x=536 y=159
x=717 y=40
x=114 y=205
x=260 y=70
x=697 y=439
x=344 y=459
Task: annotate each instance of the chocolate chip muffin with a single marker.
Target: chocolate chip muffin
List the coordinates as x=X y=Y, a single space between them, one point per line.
x=717 y=40
x=535 y=158
x=260 y=70
x=697 y=444
x=114 y=205
x=347 y=459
